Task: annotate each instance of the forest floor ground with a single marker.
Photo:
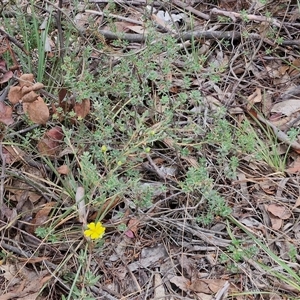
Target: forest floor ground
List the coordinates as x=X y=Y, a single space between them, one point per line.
x=149 y=149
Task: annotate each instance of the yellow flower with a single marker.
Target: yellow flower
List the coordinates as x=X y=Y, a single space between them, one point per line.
x=95 y=231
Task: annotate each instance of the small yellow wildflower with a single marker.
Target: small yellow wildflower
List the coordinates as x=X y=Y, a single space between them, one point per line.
x=95 y=231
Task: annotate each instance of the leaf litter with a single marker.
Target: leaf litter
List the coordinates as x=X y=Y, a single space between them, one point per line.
x=163 y=246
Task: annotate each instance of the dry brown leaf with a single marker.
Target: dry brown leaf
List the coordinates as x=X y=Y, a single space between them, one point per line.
x=62 y=94
x=181 y=282
x=26 y=89
x=82 y=109
x=13 y=154
x=275 y=222
x=55 y=133
x=287 y=107
x=30 y=97
x=108 y=205
x=272 y=69
x=283 y=69
x=38 y=111
x=26 y=80
x=121 y=26
x=10 y=214
x=206 y=286
x=37 y=86
x=294 y=68
x=30 y=286
x=137 y=29
x=268 y=187
x=256 y=97
x=50 y=143
x=279 y=211
x=203 y=296
x=5 y=114
x=14 y=94
x=34 y=197
x=149 y=256
x=294 y=168
x=21 y=190
x=42 y=216
x=132 y=228
x=63 y=170
x=46 y=148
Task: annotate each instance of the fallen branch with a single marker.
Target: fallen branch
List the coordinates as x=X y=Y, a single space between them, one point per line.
x=216 y=35
x=190 y=9
x=234 y=15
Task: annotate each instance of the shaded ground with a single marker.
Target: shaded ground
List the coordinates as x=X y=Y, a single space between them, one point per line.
x=174 y=124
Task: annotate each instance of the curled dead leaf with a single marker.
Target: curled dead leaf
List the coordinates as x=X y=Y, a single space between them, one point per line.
x=26 y=80
x=26 y=90
x=37 y=86
x=82 y=109
x=37 y=111
x=14 y=94
x=30 y=97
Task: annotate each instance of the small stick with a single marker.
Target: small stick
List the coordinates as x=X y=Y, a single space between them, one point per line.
x=234 y=15
x=190 y=9
x=100 y=13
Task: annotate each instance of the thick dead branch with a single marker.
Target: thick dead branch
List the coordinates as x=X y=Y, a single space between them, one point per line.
x=211 y=35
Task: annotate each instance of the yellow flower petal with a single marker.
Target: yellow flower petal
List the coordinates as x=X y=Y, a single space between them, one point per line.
x=91 y=226
x=95 y=231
